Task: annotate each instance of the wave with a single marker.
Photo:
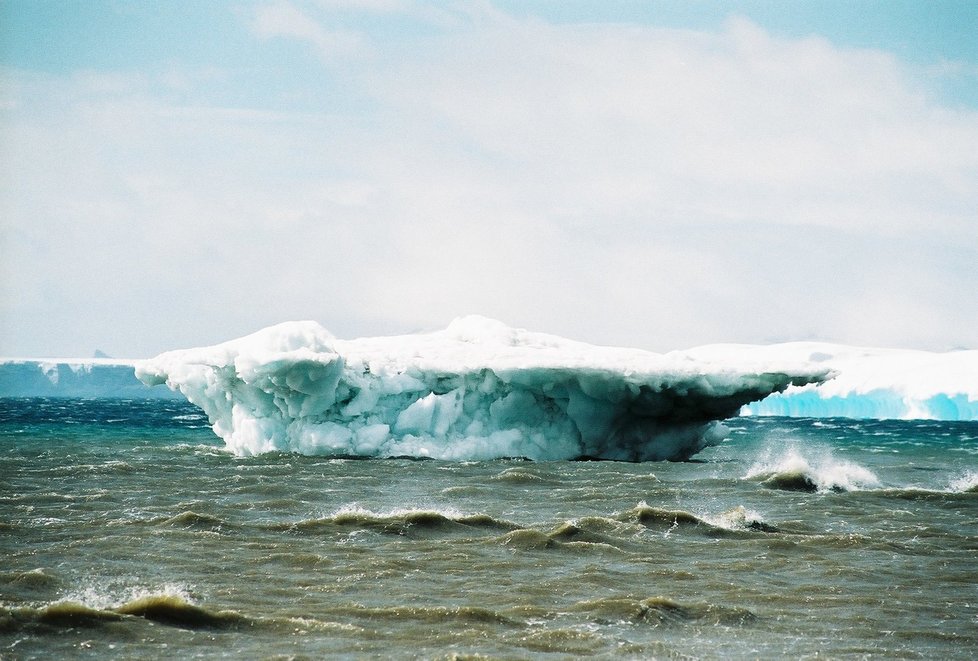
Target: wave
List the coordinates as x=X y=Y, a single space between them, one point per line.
x=740 y=518
x=33 y=579
x=519 y=475
x=736 y=519
x=408 y=521
x=590 y=533
x=174 y=610
x=59 y=615
x=648 y=515
x=195 y=521
x=467 y=615
x=659 y=611
x=963 y=485
x=168 y=609
x=593 y=534
x=793 y=471
x=528 y=539
x=29 y=585
x=626 y=532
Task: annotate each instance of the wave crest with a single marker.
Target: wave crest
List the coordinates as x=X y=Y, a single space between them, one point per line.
x=793 y=471
x=736 y=519
x=174 y=610
x=407 y=521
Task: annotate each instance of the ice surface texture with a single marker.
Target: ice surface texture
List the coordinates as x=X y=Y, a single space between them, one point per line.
x=476 y=390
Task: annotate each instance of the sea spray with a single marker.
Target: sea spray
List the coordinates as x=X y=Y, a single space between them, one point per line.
x=967 y=483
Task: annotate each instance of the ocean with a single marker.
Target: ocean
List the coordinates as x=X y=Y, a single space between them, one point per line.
x=127 y=531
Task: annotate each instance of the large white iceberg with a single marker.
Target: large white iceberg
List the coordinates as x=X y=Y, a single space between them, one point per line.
x=476 y=390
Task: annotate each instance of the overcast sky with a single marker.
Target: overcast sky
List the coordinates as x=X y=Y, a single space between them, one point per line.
x=651 y=174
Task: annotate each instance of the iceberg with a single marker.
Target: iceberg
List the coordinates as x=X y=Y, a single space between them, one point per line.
x=475 y=390
x=869 y=382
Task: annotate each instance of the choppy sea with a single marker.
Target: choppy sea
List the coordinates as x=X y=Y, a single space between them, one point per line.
x=126 y=531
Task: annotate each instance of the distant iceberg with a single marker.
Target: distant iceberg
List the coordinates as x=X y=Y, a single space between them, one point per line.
x=75 y=377
x=476 y=390
x=869 y=383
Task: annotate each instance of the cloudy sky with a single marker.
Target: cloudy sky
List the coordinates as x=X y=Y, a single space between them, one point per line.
x=652 y=174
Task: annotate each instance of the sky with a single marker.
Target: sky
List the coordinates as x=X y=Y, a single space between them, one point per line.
x=651 y=174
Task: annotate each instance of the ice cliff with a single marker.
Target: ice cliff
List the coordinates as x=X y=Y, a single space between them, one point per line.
x=476 y=390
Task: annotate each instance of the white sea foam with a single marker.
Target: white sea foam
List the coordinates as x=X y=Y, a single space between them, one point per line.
x=476 y=390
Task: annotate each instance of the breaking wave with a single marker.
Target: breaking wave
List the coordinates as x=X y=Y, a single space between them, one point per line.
x=790 y=470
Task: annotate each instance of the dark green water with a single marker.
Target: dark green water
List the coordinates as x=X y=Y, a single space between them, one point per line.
x=127 y=532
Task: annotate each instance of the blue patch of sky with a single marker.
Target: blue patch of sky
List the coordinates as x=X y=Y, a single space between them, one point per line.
x=66 y=35
x=152 y=36
x=211 y=43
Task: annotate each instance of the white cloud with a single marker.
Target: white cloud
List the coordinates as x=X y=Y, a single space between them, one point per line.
x=738 y=122
x=638 y=139
x=283 y=19
x=620 y=184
